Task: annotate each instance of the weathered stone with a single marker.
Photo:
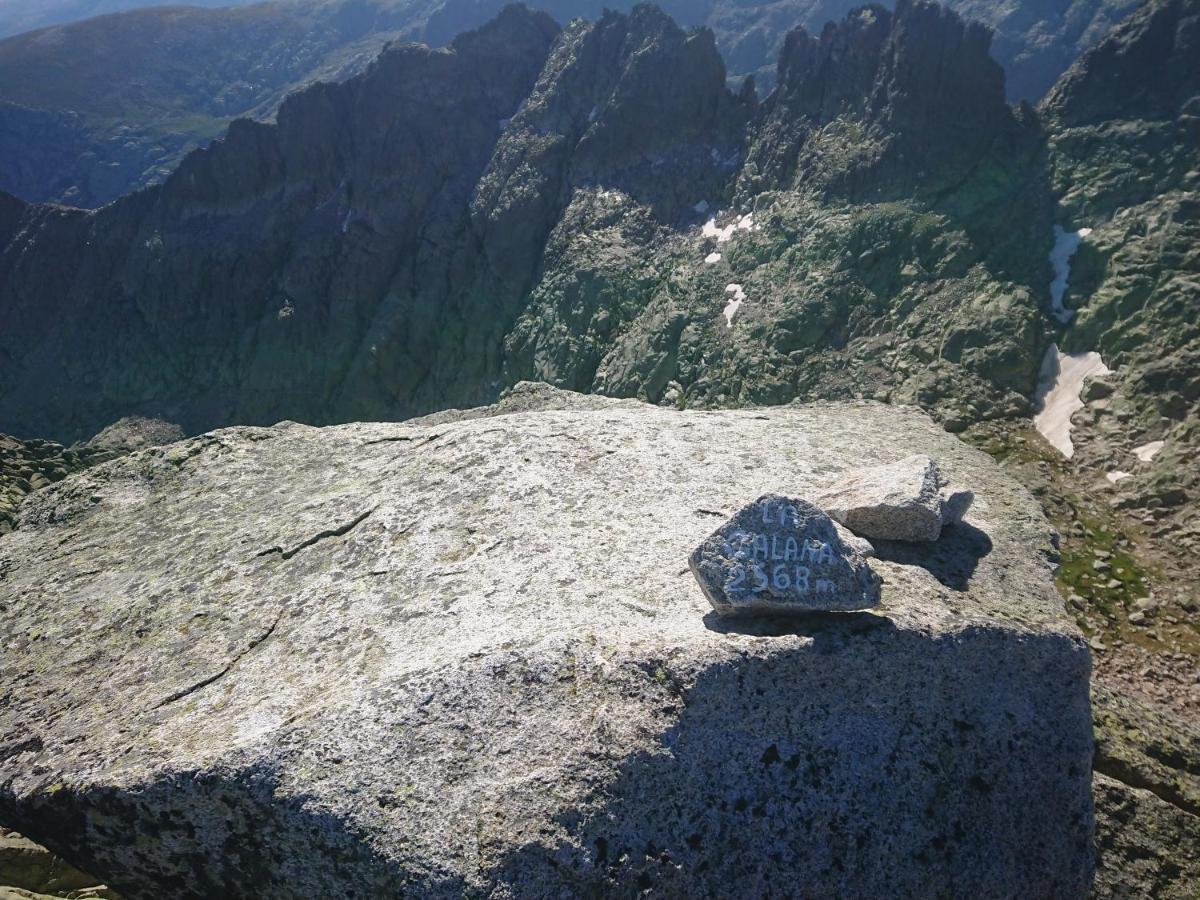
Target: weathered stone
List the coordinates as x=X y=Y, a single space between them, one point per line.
x=906 y=500
x=784 y=555
x=28 y=870
x=1147 y=795
x=135 y=433
x=466 y=659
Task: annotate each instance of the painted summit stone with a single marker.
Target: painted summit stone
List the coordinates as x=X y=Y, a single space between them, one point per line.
x=782 y=555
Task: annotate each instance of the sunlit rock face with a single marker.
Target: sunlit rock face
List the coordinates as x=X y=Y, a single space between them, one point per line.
x=467 y=656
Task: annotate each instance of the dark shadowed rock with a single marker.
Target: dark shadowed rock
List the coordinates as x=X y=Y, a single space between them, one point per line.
x=466 y=657
x=881 y=103
x=1144 y=70
x=780 y=556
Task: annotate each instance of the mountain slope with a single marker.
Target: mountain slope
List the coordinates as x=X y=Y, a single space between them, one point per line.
x=18 y=16
x=337 y=266
x=1124 y=126
x=91 y=110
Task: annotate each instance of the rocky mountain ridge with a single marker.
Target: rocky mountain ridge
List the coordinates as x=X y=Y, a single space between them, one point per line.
x=279 y=223
x=92 y=110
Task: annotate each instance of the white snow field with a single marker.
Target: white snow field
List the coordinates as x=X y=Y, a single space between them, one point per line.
x=1057 y=397
x=1065 y=245
x=1147 y=452
x=725 y=234
x=735 y=302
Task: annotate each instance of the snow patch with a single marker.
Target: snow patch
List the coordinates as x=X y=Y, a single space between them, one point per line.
x=713 y=257
x=1057 y=398
x=701 y=207
x=735 y=302
x=1147 y=452
x=1118 y=475
x=1065 y=245
x=724 y=234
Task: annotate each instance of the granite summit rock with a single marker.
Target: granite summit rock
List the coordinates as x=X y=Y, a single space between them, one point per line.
x=464 y=656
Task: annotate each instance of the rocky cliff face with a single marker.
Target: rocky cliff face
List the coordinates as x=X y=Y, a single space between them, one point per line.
x=864 y=259
x=560 y=231
x=335 y=665
x=1147 y=795
x=92 y=110
x=325 y=264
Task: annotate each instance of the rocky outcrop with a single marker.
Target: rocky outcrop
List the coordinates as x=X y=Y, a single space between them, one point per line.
x=27 y=466
x=31 y=872
x=1124 y=127
x=1147 y=791
x=30 y=465
x=881 y=102
x=334 y=663
x=628 y=103
x=908 y=500
x=134 y=433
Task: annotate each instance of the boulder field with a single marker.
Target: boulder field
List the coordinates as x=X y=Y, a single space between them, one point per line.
x=465 y=656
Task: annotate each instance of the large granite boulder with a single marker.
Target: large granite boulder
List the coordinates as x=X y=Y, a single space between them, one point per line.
x=466 y=656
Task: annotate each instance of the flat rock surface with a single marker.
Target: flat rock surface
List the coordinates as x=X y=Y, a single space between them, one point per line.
x=469 y=656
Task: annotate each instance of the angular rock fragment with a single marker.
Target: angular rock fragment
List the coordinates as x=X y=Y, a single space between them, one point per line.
x=784 y=555
x=906 y=500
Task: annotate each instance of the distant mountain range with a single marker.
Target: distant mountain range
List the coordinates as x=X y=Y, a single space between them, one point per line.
x=92 y=110
x=18 y=16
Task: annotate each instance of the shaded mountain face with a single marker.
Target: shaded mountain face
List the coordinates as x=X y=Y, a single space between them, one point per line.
x=454 y=221
x=94 y=109
x=328 y=256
